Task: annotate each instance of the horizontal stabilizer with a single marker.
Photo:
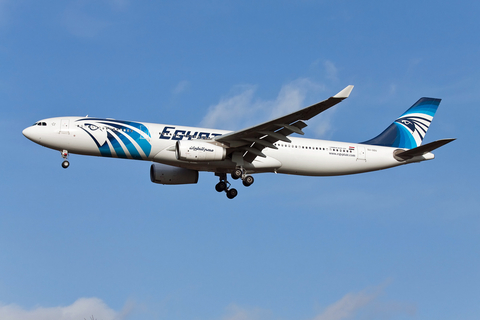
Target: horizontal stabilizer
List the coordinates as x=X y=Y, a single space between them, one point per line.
x=420 y=151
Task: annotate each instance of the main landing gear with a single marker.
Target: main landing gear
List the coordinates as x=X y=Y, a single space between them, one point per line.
x=65 y=163
x=240 y=173
x=224 y=185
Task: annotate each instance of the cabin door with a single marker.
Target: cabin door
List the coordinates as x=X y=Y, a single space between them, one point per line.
x=361 y=153
x=65 y=126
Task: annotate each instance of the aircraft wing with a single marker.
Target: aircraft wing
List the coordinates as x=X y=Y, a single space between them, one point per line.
x=251 y=141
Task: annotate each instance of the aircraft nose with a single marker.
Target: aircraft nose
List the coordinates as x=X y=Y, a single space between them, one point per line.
x=28 y=133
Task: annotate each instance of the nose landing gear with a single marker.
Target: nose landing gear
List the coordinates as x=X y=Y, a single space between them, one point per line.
x=65 y=163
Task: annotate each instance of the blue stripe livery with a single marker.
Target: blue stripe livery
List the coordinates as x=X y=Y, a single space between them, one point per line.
x=409 y=130
x=116 y=131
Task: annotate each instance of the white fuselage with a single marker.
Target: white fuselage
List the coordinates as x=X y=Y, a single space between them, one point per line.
x=156 y=142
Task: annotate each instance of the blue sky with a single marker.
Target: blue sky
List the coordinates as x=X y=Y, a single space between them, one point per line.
x=100 y=239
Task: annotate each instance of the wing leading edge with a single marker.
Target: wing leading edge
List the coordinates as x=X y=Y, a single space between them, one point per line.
x=251 y=141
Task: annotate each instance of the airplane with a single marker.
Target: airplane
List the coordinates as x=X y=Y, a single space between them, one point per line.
x=178 y=152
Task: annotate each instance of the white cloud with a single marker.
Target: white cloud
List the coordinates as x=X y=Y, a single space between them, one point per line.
x=243 y=109
x=365 y=304
x=232 y=111
x=392 y=89
x=292 y=96
x=82 y=24
x=331 y=71
x=181 y=87
x=235 y=312
x=326 y=68
x=83 y=308
x=118 y=5
x=347 y=306
x=81 y=20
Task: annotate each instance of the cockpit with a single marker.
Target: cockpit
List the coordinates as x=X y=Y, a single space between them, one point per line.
x=40 y=124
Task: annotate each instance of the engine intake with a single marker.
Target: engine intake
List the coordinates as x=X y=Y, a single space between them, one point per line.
x=164 y=174
x=199 y=151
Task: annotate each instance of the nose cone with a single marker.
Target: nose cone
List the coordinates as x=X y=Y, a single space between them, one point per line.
x=28 y=132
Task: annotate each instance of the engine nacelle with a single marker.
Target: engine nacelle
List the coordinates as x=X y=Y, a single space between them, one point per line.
x=164 y=174
x=195 y=150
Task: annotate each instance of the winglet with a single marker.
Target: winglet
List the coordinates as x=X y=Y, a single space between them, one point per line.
x=344 y=93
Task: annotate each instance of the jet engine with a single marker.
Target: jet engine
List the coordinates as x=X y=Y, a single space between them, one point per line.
x=164 y=174
x=199 y=151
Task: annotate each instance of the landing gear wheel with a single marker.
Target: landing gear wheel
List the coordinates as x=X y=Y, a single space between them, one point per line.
x=237 y=174
x=221 y=186
x=248 y=181
x=65 y=164
x=232 y=193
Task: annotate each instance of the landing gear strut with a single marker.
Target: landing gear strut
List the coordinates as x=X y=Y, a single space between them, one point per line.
x=241 y=173
x=224 y=185
x=65 y=163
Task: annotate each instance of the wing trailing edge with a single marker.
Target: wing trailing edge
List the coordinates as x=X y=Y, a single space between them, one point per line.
x=264 y=135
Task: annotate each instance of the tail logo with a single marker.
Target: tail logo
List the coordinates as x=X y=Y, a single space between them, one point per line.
x=409 y=130
x=414 y=125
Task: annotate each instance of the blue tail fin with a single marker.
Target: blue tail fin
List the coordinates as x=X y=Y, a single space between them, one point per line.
x=409 y=130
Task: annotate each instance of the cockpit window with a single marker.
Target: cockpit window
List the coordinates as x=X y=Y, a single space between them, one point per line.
x=40 y=124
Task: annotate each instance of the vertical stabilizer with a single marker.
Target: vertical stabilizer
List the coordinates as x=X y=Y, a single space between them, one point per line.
x=409 y=130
